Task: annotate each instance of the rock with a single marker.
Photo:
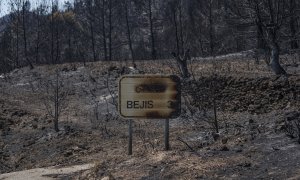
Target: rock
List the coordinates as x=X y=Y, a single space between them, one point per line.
x=280 y=127
x=254 y=107
x=245 y=164
x=224 y=148
x=224 y=140
x=275 y=148
x=251 y=121
x=238 y=150
x=67 y=129
x=29 y=143
x=290 y=116
x=68 y=154
x=19 y=113
x=215 y=136
x=34 y=125
x=67 y=69
x=2 y=124
x=112 y=68
x=83 y=146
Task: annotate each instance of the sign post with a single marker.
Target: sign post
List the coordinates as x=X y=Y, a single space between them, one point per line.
x=130 y=137
x=167 y=145
x=149 y=97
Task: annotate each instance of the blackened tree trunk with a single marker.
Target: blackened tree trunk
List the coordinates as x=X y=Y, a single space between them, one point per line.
x=57 y=58
x=272 y=30
x=104 y=30
x=153 y=50
x=93 y=40
x=211 y=28
x=181 y=27
x=17 y=34
x=275 y=64
x=110 y=29
x=261 y=46
x=129 y=32
x=25 y=37
x=52 y=32
x=176 y=30
x=91 y=19
x=261 y=43
x=269 y=16
x=56 y=103
x=293 y=20
x=37 y=48
x=182 y=63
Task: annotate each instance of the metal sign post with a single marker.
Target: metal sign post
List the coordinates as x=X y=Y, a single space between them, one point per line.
x=149 y=97
x=167 y=145
x=130 y=137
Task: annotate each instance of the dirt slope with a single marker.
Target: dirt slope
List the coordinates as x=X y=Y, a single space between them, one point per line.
x=252 y=142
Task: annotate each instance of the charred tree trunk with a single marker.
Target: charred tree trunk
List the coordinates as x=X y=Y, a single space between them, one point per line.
x=261 y=45
x=211 y=29
x=201 y=43
x=181 y=28
x=272 y=30
x=129 y=32
x=18 y=23
x=52 y=33
x=93 y=41
x=110 y=29
x=153 y=50
x=104 y=30
x=216 y=122
x=56 y=104
x=57 y=58
x=182 y=63
x=275 y=64
x=37 y=48
x=91 y=19
x=294 y=43
x=176 y=31
x=25 y=38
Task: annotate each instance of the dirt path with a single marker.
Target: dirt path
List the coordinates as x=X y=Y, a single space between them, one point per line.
x=45 y=173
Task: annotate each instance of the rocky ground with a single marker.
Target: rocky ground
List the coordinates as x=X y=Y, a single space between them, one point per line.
x=258 y=117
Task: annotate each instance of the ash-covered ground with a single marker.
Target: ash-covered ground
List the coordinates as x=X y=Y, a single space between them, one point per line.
x=258 y=115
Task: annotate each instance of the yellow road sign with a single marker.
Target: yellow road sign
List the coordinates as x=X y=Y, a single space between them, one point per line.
x=149 y=96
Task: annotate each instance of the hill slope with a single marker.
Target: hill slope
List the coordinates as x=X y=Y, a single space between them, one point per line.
x=251 y=108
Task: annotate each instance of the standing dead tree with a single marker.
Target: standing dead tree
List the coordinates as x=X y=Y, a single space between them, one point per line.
x=151 y=28
x=271 y=27
x=92 y=20
x=104 y=107
x=192 y=92
x=25 y=9
x=54 y=92
x=15 y=7
x=269 y=17
x=201 y=98
x=128 y=27
x=182 y=63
